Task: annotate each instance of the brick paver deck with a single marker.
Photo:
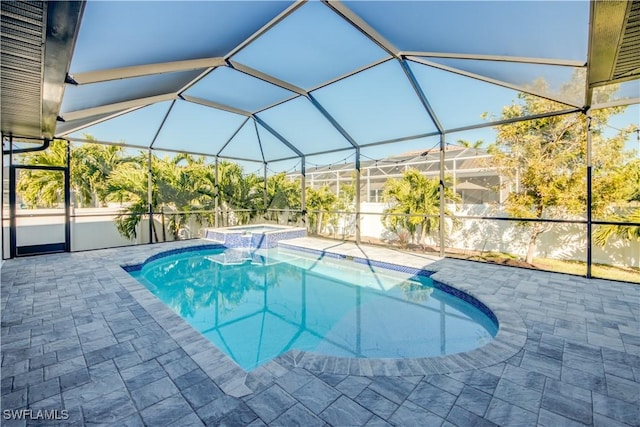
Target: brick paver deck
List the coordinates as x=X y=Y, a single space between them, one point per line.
x=79 y=334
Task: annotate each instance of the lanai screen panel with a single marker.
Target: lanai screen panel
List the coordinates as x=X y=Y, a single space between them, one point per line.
x=273 y=148
x=563 y=83
x=70 y=126
x=198 y=129
x=244 y=144
x=132 y=33
x=93 y=95
x=303 y=126
x=310 y=47
x=556 y=30
x=617 y=92
x=462 y=101
x=406 y=148
x=261 y=58
x=253 y=142
x=233 y=88
x=138 y=127
x=376 y=105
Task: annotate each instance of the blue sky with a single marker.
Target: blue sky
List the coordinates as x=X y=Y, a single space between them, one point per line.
x=314 y=45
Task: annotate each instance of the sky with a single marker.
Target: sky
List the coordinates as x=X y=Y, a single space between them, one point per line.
x=312 y=46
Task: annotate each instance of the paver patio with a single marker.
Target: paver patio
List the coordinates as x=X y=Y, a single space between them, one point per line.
x=78 y=333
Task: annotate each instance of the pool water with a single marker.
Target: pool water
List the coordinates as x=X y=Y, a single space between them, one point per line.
x=256 y=305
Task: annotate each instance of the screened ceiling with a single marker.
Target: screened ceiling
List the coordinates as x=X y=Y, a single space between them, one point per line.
x=266 y=81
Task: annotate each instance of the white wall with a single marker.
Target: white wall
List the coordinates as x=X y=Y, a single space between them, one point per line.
x=563 y=241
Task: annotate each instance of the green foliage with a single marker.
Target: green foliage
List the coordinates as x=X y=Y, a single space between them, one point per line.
x=626 y=232
x=629 y=183
x=544 y=162
x=91 y=165
x=319 y=202
x=415 y=195
x=42 y=188
x=283 y=194
x=464 y=143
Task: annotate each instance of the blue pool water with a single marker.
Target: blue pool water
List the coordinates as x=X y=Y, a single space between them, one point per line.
x=256 y=305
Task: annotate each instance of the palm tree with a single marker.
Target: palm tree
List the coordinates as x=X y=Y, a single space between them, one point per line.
x=626 y=232
x=466 y=144
x=282 y=194
x=91 y=165
x=128 y=183
x=413 y=201
x=319 y=201
x=42 y=188
x=180 y=185
x=237 y=192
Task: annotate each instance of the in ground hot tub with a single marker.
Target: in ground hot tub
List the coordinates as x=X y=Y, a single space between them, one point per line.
x=259 y=236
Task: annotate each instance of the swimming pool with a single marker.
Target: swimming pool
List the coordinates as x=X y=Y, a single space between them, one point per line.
x=257 y=304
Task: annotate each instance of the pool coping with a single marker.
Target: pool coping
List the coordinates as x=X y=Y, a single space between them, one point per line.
x=237 y=382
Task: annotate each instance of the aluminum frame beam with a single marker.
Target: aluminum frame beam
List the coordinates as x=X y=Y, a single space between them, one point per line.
x=146 y=70
x=255 y=126
x=266 y=77
x=285 y=13
x=288 y=11
x=278 y=136
x=362 y=26
x=70 y=127
x=215 y=105
x=352 y=73
x=423 y=98
x=231 y=137
x=332 y=121
x=118 y=106
x=164 y=120
x=500 y=58
x=388 y=47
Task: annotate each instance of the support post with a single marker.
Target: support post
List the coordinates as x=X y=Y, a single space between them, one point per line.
x=12 y=202
x=216 y=198
x=368 y=193
x=442 y=198
x=303 y=189
x=150 y=196
x=67 y=202
x=2 y=218
x=264 y=190
x=589 y=197
x=357 y=201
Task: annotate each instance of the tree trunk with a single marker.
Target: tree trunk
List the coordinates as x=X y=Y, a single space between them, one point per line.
x=423 y=234
x=536 y=230
x=532 y=243
x=319 y=223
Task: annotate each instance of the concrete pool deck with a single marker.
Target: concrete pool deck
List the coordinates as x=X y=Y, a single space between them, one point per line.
x=80 y=334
